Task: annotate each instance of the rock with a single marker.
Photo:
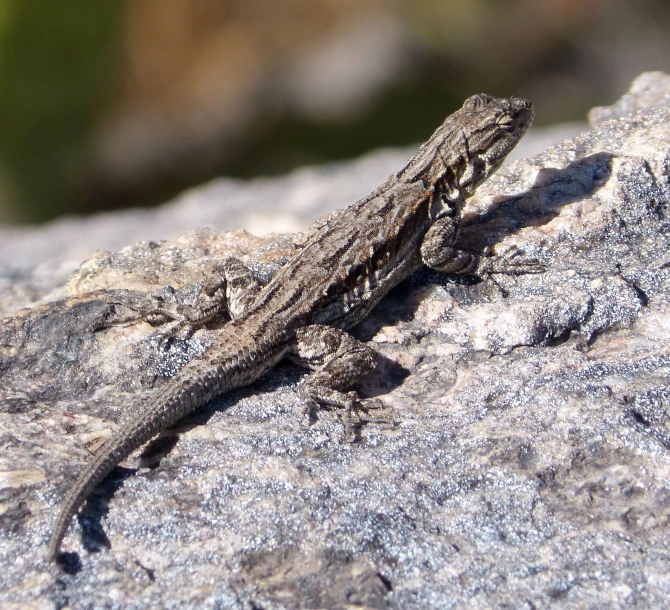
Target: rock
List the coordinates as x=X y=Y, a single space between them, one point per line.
x=530 y=458
x=647 y=91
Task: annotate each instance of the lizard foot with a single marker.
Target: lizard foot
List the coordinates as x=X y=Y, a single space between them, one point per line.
x=513 y=261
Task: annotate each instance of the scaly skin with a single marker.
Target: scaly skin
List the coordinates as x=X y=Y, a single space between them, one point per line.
x=349 y=261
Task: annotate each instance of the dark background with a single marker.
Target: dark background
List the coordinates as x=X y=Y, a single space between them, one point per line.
x=108 y=104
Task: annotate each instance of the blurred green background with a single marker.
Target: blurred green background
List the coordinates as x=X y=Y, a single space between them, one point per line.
x=109 y=104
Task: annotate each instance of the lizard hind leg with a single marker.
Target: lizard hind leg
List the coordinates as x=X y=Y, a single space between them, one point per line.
x=230 y=289
x=241 y=287
x=337 y=361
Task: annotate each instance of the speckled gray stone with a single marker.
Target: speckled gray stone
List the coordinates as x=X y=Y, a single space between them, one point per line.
x=529 y=464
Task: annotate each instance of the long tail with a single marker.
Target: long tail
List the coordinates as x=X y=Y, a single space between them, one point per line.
x=191 y=388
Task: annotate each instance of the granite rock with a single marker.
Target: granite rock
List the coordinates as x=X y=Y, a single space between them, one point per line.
x=528 y=463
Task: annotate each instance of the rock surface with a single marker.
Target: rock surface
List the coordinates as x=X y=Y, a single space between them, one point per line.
x=530 y=460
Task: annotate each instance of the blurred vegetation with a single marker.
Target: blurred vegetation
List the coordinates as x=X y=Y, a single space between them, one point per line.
x=55 y=67
x=110 y=103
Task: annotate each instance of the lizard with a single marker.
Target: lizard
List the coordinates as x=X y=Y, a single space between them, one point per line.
x=347 y=262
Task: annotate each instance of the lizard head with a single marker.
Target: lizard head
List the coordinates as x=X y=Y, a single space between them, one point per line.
x=492 y=127
x=469 y=146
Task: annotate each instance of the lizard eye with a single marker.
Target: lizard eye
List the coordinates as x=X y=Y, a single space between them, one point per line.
x=506 y=122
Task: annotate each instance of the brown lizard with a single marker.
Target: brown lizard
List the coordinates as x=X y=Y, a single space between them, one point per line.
x=347 y=263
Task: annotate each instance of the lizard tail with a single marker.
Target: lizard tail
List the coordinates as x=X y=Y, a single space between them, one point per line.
x=179 y=397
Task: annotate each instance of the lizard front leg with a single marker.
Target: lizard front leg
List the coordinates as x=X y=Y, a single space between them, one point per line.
x=438 y=252
x=337 y=361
